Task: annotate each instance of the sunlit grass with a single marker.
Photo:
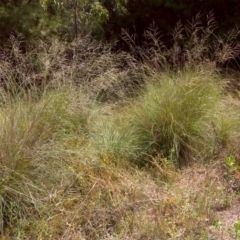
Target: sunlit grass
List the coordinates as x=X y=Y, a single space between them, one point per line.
x=106 y=147
x=27 y=127
x=70 y=164
x=173 y=113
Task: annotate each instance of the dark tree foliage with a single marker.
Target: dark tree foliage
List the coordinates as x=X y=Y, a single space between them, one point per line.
x=29 y=19
x=104 y=19
x=17 y=17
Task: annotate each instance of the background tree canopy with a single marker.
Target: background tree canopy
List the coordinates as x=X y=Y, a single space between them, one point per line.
x=104 y=19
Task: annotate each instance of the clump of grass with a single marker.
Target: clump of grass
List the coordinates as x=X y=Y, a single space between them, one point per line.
x=111 y=137
x=178 y=116
x=174 y=112
x=27 y=125
x=188 y=46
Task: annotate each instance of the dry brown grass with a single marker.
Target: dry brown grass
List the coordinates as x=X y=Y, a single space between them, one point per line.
x=102 y=203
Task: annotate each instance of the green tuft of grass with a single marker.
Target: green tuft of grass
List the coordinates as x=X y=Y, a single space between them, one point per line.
x=27 y=126
x=175 y=113
x=112 y=139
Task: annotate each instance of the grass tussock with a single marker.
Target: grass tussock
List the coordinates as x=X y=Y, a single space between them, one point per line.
x=174 y=112
x=100 y=145
x=27 y=126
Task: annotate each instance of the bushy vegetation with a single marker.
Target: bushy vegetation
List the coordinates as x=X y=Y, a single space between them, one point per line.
x=175 y=112
x=105 y=18
x=97 y=144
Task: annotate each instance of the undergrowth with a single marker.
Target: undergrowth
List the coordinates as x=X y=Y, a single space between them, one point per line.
x=103 y=145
